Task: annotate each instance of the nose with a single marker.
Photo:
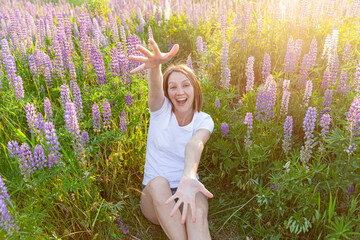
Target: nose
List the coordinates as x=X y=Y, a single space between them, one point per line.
x=179 y=90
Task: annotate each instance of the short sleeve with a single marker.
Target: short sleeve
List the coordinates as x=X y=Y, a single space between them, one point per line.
x=165 y=109
x=204 y=122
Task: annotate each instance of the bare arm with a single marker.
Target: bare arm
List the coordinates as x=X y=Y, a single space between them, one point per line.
x=193 y=151
x=189 y=185
x=152 y=62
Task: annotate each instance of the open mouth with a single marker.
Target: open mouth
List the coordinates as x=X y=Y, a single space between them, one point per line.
x=181 y=100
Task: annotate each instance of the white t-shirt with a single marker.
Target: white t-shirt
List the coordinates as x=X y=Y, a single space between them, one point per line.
x=166 y=142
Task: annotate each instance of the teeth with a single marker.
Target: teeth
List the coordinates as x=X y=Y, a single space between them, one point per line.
x=181 y=99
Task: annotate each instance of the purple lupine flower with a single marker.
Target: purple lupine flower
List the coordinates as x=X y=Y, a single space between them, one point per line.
x=350 y=190
x=54 y=156
x=123 y=121
x=115 y=33
x=48 y=109
x=5 y=50
x=122 y=226
x=72 y=71
x=249 y=122
x=225 y=128
x=326 y=79
x=26 y=160
x=288 y=128
x=115 y=66
x=48 y=79
x=327 y=46
x=31 y=117
x=5 y=219
x=96 y=117
x=304 y=69
x=71 y=120
x=289 y=56
x=189 y=62
x=39 y=157
x=265 y=102
x=129 y=99
x=297 y=52
x=308 y=92
x=334 y=68
x=123 y=35
x=13 y=147
x=308 y=126
x=325 y=123
x=77 y=100
x=85 y=138
x=39 y=124
x=250 y=74
x=327 y=98
x=225 y=80
x=343 y=86
x=106 y=114
x=217 y=103
x=266 y=67
x=10 y=67
x=312 y=53
x=18 y=87
x=32 y=65
x=65 y=95
x=150 y=33
x=285 y=102
x=199 y=45
x=353 y=117
x=346 y=53
x=3 y=191
x=357 y=79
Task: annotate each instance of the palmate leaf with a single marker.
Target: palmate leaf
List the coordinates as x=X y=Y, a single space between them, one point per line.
x=341 y=229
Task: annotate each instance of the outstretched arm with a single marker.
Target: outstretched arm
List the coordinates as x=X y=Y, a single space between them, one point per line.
x=152 y=62
x=189 y=185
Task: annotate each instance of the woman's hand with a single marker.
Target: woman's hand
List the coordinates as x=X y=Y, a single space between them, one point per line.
x=152 y=60
x=186 y=192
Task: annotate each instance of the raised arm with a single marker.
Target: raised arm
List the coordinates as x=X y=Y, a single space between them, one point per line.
x=152 y=62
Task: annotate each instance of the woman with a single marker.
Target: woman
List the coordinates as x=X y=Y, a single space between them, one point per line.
x=177 y=133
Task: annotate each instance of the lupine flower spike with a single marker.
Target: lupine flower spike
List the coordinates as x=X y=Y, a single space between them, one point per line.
x=96 y=117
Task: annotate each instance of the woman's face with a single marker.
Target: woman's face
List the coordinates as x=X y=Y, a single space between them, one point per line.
x=181 y=92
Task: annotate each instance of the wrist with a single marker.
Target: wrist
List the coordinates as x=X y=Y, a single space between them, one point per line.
x=189 y=175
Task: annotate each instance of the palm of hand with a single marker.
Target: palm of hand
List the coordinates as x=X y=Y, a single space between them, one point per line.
x=152 y=60
x=186 y=192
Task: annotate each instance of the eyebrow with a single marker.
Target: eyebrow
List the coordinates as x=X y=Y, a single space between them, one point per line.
x=185 y=80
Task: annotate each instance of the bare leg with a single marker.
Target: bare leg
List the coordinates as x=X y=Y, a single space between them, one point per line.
x=200 y=228
x=153 y=206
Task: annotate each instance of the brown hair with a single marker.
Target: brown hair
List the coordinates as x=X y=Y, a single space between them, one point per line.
x=182 y=68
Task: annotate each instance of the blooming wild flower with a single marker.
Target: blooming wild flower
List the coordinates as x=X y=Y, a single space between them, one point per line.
x=288 y=128
x=123 y=122
x=308 y=126
x=71 y=120
x=249 y=122
x=250 y=74
x=225 y=128
x=129 y=99
x=5 y=219
x=106 y=114
x=96 y=117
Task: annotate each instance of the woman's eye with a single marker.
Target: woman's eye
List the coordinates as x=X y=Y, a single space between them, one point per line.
x=172 y=87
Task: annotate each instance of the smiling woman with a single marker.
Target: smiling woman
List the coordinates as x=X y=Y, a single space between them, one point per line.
x=177 y=133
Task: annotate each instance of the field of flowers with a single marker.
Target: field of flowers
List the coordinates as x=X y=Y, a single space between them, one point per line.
x=281 y=80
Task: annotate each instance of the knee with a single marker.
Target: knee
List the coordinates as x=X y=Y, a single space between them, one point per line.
x=159 y=189
x=201 y=214
x=158 y=183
